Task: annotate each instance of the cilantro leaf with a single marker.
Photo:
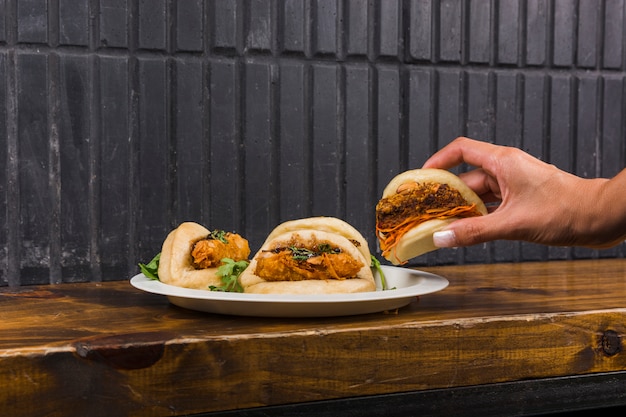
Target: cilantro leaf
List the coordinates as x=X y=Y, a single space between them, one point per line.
x=229 y=273
x=218 y=235
x=302 y=254
x=151 y=269
x=383 y=280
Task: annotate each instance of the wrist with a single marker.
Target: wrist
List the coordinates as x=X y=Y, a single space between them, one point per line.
x=605 y=226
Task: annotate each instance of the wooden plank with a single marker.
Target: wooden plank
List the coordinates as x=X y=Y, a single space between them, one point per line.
x=328 y=142
x=295 y=163
x=117 y=118
x=35 y=199
x=260 y=179
x=74 y=125
x=192 y=154
x=110 y=347
x=602 y=393
x=360 y=185
x=226 y=190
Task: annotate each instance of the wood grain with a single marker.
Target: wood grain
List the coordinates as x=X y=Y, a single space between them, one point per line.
x=109 y=349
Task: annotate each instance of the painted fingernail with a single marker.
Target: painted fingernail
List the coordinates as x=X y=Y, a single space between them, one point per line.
x=444 y=239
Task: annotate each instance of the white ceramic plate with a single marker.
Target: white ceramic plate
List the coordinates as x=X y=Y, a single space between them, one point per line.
x=408 y=283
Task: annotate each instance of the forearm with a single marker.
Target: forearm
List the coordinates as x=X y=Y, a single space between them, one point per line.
x=609 y=226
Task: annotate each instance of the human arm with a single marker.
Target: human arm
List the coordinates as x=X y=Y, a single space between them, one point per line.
x=537 y=201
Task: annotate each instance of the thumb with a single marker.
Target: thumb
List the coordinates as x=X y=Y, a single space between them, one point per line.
x=466 y=232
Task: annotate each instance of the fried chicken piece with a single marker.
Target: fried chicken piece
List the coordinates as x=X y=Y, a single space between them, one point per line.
x=281 y=265
x=208 y=253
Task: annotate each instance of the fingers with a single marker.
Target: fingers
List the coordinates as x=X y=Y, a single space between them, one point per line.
x=483 y=184
x=467 y=232
x=494 y=181
x=460 y=150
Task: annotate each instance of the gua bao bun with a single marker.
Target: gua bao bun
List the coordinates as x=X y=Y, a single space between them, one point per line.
x=325 y=224
x=417 y=203
x=304 y=260
x=183 y=266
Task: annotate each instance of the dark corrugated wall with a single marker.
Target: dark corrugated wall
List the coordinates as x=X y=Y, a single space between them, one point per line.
x=120 y=119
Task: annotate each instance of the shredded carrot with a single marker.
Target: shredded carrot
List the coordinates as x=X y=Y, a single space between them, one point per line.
x=330 y=270
x=390 y=237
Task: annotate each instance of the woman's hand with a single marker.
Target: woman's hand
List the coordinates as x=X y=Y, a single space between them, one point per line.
x=534 y=201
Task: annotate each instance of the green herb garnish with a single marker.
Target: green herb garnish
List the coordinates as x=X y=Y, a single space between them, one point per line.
x=383 y=280
x=218 y=235
x=302 y=254
x=151 y=269
x=229 y=273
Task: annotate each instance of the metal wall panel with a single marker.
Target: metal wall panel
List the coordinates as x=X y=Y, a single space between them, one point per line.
x=121 y=119
x=7 y=148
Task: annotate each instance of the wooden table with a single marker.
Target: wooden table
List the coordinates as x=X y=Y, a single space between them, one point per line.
x=510 y=339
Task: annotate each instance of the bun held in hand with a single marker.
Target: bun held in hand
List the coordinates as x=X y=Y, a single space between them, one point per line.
x=417 y=203
x=320 y=255
x=191 y=255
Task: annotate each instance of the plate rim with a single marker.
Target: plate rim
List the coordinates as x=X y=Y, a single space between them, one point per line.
x=437 y=283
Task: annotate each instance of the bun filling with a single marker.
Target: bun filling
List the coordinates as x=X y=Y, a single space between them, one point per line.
x=209 y=252
x=415 y=203
x=296 y=261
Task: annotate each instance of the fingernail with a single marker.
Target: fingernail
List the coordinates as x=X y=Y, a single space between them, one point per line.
x=444 y=239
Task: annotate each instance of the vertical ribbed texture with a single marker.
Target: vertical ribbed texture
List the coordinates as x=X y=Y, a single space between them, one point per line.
x=120 y=119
